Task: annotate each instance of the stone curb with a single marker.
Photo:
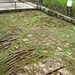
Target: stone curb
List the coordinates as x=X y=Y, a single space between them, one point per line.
x=56 y=14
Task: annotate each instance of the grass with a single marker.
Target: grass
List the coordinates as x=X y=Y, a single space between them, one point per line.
x=65 y=1
x=60 y=6
x=32 y=21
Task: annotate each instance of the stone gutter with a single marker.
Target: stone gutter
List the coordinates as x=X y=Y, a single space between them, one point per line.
x=56 y=14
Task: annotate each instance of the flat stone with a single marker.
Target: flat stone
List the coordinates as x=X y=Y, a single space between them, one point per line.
x=39 y=7
x=35 y=65
x=41 y=65
x=26 y=40
x=45 y=70
x=47 y=44
x=67 y=18
x=42 y=8
x=30 y=35
x=46 y=10
x=16 y=47
x=64 y=71
x=58 y=15
x=32 y=38
x=53 y=43
x=59 y=48
x=68 y=36
x=50 y=12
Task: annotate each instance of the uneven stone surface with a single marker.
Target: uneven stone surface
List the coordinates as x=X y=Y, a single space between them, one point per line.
x=27 y=41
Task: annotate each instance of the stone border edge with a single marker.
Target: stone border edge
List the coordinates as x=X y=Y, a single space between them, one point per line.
x=56 y=14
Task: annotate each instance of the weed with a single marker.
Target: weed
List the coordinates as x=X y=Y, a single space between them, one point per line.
x=32 y=21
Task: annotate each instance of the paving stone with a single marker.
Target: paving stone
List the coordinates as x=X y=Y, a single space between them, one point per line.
x=32 y=38
x=64 y=71
x=53 y=43
x=42 y=8
x=47 y=44
x=46 y=69
x=58 y=15
x=41 y=65
x=16 y=47
x=26 y=40
x=59 y=48
x=59 y=45
x=35 y=65
x=67 y=18
x=29 y=35
x=46 y=10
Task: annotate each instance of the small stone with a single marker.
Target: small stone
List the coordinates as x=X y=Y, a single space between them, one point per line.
x=46 y=10
x=67 y=18
x=67 y=35
x=68 y=53
x=25 y=40
x=67 y=44
x=45 y=51
x=47 y=44
x=42 y=8
x=35 y=66
x=41 y=65
x=58 y=15
x=45 y=70
x=25 y=67
x=59 y=48
x=30 y=35
x=64 y=71
x=16 y=47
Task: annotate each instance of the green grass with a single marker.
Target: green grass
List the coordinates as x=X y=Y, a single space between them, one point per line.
x=65 y=1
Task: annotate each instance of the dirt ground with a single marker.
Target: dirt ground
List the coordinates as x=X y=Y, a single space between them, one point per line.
x=44 y=34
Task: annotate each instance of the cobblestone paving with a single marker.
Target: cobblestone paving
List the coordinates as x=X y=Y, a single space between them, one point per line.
x=35 y=37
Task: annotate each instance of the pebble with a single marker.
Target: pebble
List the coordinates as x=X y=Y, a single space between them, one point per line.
x=16 y=47
x=25 y=40
x=59 y=48
x=30 y=35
